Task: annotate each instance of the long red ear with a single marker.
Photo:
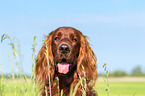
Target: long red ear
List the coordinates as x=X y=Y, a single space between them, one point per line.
x=42 y=73
x=87 y=59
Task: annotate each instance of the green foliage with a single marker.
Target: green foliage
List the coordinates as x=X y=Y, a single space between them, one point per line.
x=118 y=74
x=137 y=72
x=107 y=77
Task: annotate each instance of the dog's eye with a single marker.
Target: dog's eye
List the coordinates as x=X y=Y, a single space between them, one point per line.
x=74 y=40
x=57 y=38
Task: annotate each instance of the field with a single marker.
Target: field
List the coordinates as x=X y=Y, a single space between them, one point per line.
x=128 y=86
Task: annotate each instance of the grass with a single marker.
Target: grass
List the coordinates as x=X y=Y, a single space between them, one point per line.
x=18 y=87
x=46 y=54
x=116 y=88
x=121 y=88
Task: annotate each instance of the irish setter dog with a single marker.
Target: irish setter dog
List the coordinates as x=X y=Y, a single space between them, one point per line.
x=70 y=59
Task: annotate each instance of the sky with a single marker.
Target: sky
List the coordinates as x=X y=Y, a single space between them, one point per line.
x=115 y=29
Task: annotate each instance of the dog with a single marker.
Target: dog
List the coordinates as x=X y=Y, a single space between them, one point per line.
x=70 y=58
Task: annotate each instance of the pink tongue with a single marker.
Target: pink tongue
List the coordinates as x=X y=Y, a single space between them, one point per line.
x=63 y=68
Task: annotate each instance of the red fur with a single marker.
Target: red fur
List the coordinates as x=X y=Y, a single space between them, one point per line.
x=81 y=54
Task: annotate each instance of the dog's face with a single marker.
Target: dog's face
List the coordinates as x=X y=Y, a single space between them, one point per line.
x=65 y=49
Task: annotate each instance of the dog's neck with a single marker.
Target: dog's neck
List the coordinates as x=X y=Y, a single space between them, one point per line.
x=65 y=81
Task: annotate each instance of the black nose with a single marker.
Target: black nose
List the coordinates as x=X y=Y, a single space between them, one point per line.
x=64 y=49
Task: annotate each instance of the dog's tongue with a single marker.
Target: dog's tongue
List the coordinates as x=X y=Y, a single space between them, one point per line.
x=63 y=68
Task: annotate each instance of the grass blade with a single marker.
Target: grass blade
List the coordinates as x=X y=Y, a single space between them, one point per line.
x=47 y=56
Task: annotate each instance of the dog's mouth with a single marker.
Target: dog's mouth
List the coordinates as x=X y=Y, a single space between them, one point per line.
x=63 y=67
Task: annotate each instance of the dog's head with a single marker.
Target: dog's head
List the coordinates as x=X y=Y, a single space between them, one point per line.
x=68 y=53
x=65 y=49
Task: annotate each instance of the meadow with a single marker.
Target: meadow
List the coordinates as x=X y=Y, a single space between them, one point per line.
x=122 y=87
x=116 y=88
x=19 y=84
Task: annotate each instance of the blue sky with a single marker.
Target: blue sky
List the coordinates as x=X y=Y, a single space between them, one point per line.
x=115 y=28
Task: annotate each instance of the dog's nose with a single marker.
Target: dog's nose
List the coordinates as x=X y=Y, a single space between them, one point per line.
x=64 y=49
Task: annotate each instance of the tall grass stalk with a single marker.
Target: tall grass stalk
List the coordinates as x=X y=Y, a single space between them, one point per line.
x=107 y=78
x=57 y=84
x=16 y=57
x=74 y=91
x=20 y=59
x=46 y=92
x=83 y=83
x=61 y=94
x=33 y=75
x=25 y=85
x=13 y=75
x=47 y=56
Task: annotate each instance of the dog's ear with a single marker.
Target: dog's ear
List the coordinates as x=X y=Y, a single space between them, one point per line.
x=86 y=60
x=42 y=73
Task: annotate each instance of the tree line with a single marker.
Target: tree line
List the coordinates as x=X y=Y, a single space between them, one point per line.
x=136 y=72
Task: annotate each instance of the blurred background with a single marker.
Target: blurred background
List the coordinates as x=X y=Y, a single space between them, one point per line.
x=115 y=29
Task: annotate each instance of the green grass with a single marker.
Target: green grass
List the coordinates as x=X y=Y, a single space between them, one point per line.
x=121 y=88
x=21 y=88
x=116 y=88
